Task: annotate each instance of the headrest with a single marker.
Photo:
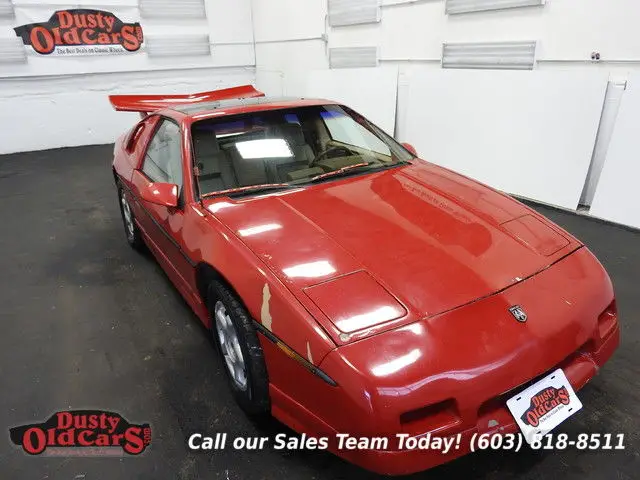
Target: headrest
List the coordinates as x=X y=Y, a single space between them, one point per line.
x=205 y=143
x=291 y=132
x=294 y=134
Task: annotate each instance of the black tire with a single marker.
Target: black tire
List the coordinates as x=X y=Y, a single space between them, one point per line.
x=254 y=397
x=132 y=232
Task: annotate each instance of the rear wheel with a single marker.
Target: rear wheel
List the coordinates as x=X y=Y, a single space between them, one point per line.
x=134 y=236
x=239 y=346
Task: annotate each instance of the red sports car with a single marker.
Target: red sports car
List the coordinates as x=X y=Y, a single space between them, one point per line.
x=354 y=289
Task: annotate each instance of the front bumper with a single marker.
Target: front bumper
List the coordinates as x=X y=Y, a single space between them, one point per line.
x=580 y=367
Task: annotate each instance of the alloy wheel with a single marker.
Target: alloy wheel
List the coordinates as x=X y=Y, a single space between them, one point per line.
x=127 y=216
x=230 y=346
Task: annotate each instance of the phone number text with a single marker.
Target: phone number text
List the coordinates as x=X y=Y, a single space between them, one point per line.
x=561 y=441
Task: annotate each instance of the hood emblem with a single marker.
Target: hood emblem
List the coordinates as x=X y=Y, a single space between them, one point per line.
x=518 y=313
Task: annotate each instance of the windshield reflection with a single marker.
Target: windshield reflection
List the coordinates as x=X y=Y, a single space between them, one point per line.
x=289 y=147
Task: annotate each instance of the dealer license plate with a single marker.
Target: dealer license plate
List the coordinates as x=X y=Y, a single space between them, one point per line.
x=544 y=405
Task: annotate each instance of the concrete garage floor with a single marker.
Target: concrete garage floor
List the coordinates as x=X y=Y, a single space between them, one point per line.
x=89 y=323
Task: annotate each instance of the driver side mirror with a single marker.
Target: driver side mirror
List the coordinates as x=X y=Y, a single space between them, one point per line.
x=411 y=148
x=165 y=194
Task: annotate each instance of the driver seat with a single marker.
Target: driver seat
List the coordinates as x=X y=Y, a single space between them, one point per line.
x=292 y=133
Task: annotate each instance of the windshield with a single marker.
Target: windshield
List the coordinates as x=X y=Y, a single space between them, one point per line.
x=279 y=149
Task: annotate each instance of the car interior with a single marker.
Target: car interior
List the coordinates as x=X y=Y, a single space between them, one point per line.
x=309 y=151
x=221 y=166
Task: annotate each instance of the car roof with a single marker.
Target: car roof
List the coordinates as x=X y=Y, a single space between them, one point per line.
x=245 y=105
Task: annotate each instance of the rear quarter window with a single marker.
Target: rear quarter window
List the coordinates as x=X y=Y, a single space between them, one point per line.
x=134 y=137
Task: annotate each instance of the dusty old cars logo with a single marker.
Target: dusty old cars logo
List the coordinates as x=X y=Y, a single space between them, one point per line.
x=518 y=313
x=95 y=430
x=544 y=402
x=81 y=32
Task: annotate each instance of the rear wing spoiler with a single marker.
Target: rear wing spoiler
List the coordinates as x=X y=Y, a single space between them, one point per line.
x=150 y=103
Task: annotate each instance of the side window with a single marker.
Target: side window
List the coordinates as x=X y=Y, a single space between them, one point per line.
x=163 y=159
x=135 y=136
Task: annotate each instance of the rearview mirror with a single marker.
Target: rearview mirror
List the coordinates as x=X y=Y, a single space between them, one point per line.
x=411 y=148
x=165 y=194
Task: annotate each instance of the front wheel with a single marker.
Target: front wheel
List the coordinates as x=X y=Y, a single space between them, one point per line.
x=239 y=346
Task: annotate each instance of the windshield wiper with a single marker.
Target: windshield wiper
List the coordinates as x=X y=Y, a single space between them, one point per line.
x=338 y=172
x=346 y=170
x=248 y=189
x=267 y=187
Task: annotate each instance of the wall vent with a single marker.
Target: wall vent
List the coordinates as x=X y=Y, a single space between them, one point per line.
x=172 y=9
x=466 y=6
x=177 y=45
x=353 y=12
x=6 y=9
x=12 y=50
x=501 y=55
x=353 y=57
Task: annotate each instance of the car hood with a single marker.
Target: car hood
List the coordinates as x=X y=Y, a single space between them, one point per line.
x=421 y=239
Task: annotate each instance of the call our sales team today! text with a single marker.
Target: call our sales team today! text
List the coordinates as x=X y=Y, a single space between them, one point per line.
x=344 y=441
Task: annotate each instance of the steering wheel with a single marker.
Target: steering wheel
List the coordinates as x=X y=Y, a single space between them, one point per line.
x=313 y=161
